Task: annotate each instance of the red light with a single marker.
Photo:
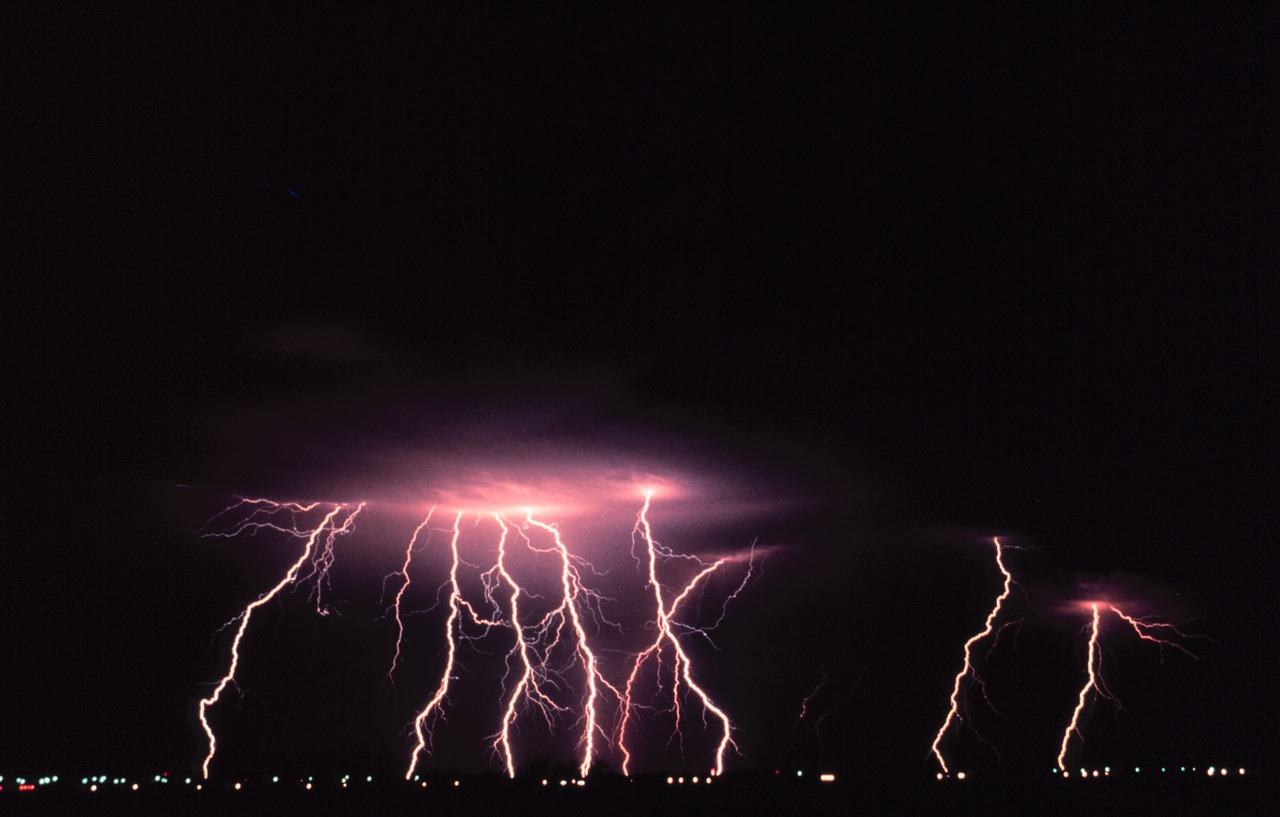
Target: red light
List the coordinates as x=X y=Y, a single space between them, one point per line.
x=27 y=787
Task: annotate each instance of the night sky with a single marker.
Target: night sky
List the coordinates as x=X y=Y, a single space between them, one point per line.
x=890 y=282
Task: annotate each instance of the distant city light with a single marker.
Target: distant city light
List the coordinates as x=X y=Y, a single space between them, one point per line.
x=827 y=777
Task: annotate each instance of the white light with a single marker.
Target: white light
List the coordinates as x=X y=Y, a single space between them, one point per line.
x=1095 y=772
x=369 y=779
x=544 y=781
x=960 y=776
x=308 y=787
x=680 y=780
x=134 y=787
x=670 y=780
x=695 y=778
x=94 y=787
x=566 y=782
x=456 y=784
x=582 y=782
x=275 y=780
x=799 y=773
x=828 y=777
x=237 y=786
x=1242 y=771
x=939 y=775
x=199 y=787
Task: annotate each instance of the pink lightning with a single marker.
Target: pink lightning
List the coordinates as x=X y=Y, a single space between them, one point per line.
x=529 y=686
x=953 y=714
x=808 y=699
x=682 y=668
x=535 y=678
x=1093 y=666
x=455 y=603
x=263 y=516
x=404 y=572
x=571 y=585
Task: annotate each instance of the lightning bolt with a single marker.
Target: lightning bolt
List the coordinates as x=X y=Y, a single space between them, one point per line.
x=404 y=573
x=953 y=714
x=808 y=699
x=552 y=666
x=263 y=516
x=1093 y=666
x=532 y=673
x=455 y=606
x=665 y=633
x=571 y=585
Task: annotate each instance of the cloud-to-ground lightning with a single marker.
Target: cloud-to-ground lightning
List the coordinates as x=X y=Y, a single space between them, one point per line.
x=665 y=626
x=569 y=611
x=421 y=731
x=532 y=672
x=552 y=664
x=1093 y=665
x=953 y=714
x=264 y=515
x=1093 y=682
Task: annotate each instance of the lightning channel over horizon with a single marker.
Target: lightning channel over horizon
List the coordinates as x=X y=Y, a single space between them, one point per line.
x=264 y=515
x=1094 y=680
x=967 y=669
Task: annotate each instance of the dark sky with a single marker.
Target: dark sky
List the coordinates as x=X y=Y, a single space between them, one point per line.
x=929 y=276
